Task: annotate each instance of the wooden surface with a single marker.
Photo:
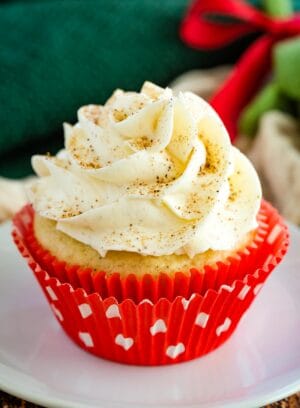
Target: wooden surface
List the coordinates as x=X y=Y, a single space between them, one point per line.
x=8 y=401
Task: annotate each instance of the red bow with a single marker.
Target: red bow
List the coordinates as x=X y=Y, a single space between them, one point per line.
x=211 y=24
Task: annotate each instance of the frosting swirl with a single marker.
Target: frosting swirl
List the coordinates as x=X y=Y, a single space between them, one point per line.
x=151 y=173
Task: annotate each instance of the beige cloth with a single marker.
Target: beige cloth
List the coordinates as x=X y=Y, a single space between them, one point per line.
x=276 y=155
x=201 y=82
x=12 y=197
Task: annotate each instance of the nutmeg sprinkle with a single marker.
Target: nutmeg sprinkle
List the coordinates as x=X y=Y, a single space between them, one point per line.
x=150 y=184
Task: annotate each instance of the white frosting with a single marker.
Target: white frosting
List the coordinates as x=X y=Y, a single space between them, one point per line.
x=150 y=173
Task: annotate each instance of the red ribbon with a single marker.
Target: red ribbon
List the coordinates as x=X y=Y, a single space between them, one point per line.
x=212 y=24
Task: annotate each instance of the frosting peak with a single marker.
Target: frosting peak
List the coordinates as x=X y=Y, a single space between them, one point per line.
x=151 y=173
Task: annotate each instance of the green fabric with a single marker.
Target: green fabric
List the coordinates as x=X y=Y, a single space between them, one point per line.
x=287 y=67
x=283 y=93
x=278 y=8
x=58 y=55
x=269 y=98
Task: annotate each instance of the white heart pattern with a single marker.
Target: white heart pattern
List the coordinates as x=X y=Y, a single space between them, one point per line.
x=175 y=351
x=85 y=310
x=51 y=293
x=243 y=292
x=125 y=342
x=186 y=302
x=202 y=319
x=223 y=327
x=38 y=269
x=227 y=288
x=269 y=259
x=57 y=312
x=274 y=234
x=257 y=288
x=158 y=327
x=26 y=218
x=112 y=311
x=146 y=301
x=86 y=338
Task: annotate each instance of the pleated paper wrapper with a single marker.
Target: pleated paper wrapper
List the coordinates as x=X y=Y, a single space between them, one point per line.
x=148 y=320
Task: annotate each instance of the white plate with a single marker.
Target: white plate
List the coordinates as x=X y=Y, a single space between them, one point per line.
x=259 y=364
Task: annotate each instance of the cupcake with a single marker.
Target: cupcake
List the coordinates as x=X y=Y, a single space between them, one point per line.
x=147 y=232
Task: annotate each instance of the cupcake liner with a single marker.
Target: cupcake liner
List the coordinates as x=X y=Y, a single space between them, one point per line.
x=154 y=321
x=243 y=262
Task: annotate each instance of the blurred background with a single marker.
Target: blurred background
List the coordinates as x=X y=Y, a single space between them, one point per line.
x=56 y=56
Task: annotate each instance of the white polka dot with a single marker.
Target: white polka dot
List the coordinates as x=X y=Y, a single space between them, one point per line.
x=175 y=351
x=186 y=302
x=263 y=225
x=274 y=234
x=57 y=312
x=243 y=292
x=38 y=269
x=202 y=319
x=269 y=259
x=112 y=311
x=158 y=327
x=125 y=342
x=86 y=338
x=146 y=301
x=227 y=288
x=246 y=251
x=223 y=327
x=26 y=218
x=85 y=310
x=51 y=293
x=257 y=288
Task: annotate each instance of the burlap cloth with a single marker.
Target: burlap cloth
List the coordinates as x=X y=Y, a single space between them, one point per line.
x=204 y=82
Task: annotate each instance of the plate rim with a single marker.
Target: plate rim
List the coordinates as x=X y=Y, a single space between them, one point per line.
x=15 y=388
x=55 y=402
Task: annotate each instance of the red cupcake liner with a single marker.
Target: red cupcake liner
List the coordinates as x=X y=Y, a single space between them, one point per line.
x=243 y=262
x=154 y=321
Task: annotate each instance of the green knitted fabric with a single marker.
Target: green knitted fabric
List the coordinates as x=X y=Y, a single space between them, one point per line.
x=58 y=55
